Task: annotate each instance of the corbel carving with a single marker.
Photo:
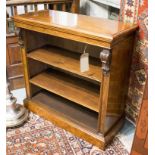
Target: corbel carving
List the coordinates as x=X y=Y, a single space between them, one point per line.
x=19 y=34
x=105 y=57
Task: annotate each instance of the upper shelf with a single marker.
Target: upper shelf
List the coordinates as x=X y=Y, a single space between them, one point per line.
x=92 y=30
x=67 y=61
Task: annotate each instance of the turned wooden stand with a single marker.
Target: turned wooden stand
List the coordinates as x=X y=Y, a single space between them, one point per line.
x=89 y=104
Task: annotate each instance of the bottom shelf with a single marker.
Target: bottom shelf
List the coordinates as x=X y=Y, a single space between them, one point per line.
x=67 y=109
x=70 y=116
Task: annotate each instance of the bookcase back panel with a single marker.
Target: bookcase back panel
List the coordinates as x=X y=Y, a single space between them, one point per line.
x=37 y=40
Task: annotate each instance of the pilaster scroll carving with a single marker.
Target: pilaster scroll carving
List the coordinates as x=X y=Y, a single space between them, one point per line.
x=19 y=34
x=105 y=57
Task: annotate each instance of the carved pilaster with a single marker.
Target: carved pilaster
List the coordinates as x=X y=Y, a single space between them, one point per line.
x=105 y=57
x=19 y=34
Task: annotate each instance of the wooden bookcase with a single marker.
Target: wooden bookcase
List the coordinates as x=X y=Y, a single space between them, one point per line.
x=89 y=104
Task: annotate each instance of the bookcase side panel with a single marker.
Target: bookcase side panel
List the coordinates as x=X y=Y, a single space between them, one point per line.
x=32 y=40
x=119 y=76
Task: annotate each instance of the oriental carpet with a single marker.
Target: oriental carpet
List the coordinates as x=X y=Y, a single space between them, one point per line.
x=40 y=137
x=136 y=11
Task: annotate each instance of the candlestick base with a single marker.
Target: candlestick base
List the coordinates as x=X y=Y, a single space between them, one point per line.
x=16 y=114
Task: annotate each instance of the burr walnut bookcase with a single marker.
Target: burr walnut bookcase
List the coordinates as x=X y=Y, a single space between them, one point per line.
x=88 y=104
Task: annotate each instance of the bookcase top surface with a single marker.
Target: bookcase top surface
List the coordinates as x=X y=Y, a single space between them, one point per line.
x=76 y=24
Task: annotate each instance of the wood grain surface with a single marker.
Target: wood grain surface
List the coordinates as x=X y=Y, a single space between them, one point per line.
x=91 y=105
x=83 y=28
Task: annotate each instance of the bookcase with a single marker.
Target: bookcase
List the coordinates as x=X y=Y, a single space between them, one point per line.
x=88 y=104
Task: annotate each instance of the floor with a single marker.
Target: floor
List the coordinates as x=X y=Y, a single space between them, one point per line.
x=126 y=134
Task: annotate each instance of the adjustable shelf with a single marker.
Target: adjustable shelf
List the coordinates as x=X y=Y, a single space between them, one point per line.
x=90 y=105
x=67 y=61
x=74 y=89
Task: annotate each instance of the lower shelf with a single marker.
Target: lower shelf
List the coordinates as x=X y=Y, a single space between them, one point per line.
x=72 y=117
x=64 y=85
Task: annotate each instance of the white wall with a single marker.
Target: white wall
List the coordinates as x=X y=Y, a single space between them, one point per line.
x=93 y=9
x=100 y=8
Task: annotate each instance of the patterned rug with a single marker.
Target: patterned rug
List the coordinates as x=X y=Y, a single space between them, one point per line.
x=40 y=137
x=136 y=11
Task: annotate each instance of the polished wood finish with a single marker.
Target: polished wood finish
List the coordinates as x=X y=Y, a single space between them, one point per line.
x=140 y=143
x=91 y=30
x=13 y=48
x=13 y=4
x=58 y=83
x=56 y=89
x=24 y=60
x=103 y=103
x=67 y=61
x=119 y=75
